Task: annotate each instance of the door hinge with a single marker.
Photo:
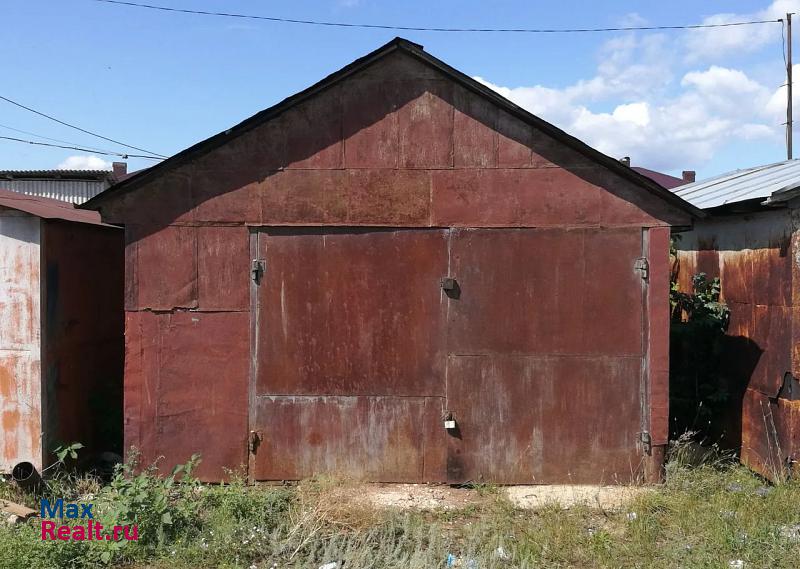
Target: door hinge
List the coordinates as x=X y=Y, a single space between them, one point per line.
x=643 y=267
x=647 y=441
x=253 y=441
x=257 y=269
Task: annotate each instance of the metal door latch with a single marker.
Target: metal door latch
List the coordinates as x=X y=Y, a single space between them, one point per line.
x=257 y=270
x=643 y=267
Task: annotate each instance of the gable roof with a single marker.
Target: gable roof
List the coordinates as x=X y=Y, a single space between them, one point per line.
x=415 y=50
x=48 y=208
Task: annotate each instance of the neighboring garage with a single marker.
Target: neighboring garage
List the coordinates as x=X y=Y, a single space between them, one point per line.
x=321 y=287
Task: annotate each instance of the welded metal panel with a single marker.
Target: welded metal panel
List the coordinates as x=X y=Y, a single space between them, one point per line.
x=546 y=291
x=351 y=312
x=186 y=388
x=540 y=354
x=392 y=439
x=770 y=435
x=544 y=419
x=20 y=337
x=164 y=268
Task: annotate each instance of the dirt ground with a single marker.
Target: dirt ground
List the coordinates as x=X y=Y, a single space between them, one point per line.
x=430 y=497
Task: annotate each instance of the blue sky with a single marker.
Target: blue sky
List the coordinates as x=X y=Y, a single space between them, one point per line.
x=709 y=100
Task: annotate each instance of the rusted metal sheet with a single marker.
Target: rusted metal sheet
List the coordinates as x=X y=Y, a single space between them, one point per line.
x=186 y=388
x=393 y=439
x=771 y=435
x=657 y=345
x=753 y=256
x=533 y=346
x=532 y=197
x=587 y=282
x=165 y=268
x=351 y=312
x=223 y=258
x=544 y=419
x=20 y=352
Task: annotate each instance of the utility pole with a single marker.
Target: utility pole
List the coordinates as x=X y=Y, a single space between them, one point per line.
x=789 y=86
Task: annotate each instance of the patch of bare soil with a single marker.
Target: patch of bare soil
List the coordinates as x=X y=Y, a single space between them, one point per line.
x=442 y=497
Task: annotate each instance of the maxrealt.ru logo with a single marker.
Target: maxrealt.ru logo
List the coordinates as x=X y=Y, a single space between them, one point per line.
x=88 y=531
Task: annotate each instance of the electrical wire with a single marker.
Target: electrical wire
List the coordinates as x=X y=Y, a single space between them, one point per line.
x=426 y=29
x=50 y=139
x=81 y=149
x=79 y=128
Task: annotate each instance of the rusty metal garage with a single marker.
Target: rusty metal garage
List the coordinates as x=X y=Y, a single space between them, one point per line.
x=397 y=275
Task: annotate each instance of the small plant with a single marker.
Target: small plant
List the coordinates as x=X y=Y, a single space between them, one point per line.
x=64 y=451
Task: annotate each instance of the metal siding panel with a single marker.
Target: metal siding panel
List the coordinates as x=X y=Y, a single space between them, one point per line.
x=658 y=334
x=304 y=196
x=223 y=266
x=369 y=438
x=427 y=117
x=186 y=388
x=550 y=320
x=474 y=131
x=352 y=313
x=20 y=342
x=166 y=267
x=546 y=291
x=313 y=132
x=544 y=419
x=371 y=135
x=389 y=197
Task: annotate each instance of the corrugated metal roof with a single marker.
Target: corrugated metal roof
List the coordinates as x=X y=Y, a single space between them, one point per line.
x=742 y=185
x=75 y=186
x=58 y=174
x=48 y=208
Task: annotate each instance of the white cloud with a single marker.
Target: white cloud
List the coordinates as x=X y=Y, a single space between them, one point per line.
x=712 y=43
x=651 y=98
x=681 y=130
x=90 y=162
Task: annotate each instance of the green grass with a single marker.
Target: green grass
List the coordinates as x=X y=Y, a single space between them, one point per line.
x=703 y=516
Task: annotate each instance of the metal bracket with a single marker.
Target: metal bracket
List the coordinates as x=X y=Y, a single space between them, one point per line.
x=647 y=441
x=447 y=283
x=257 y=269
x=643 y=267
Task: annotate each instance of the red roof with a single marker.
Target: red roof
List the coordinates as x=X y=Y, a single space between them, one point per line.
x=664 y=180
x=48 y=208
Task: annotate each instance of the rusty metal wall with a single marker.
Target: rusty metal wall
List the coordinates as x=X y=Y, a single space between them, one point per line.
x=20 y=351
x=83 y=335
x=754 y=256
x=396 y=145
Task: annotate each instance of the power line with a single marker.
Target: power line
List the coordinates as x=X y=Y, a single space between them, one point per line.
x=424 y=29
x=79 y=128
x=48 y=138
x=80 y=148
